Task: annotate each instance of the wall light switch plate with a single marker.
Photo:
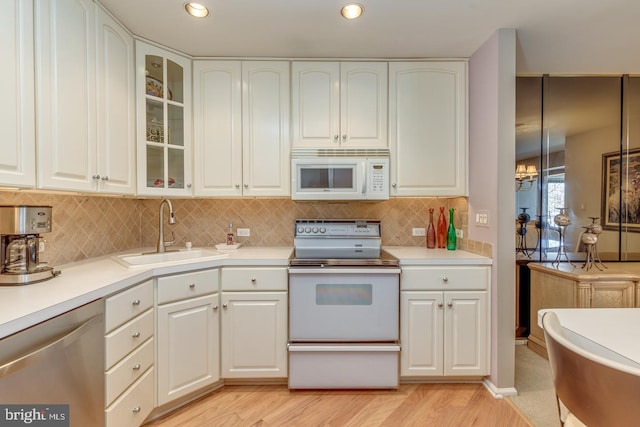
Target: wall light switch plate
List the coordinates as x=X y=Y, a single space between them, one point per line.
x=418 y=232
x=244 y=232
x=482 y=218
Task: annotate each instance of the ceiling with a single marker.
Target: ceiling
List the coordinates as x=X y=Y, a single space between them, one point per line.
x=554 y=36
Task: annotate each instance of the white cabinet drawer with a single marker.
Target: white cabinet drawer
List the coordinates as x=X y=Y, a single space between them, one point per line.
x=255 y=279
x=129 y=369
x=444 y=278
x=189 y=285
x=131 y=409
x=128 y=304
x=127 y=337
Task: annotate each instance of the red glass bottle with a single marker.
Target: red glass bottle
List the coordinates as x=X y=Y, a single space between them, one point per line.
x=431 y=231
x=442 y=229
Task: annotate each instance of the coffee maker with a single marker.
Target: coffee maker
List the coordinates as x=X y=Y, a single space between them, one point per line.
x=20 y=228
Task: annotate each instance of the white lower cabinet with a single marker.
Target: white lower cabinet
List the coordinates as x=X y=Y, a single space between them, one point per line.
x=187 y=334
x=254 y=322
x=444 y=332
x=129 y=348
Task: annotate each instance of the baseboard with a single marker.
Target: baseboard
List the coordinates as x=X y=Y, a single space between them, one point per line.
x=499 y=393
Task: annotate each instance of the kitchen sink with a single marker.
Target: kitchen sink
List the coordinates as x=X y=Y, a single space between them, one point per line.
x=182 y=256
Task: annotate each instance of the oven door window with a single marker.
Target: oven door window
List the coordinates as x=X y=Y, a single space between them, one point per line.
x=344 y=294
x=330 y=177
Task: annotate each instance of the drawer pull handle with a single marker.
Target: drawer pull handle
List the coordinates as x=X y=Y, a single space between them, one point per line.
x=136 y=367
x=136 y=335
x=193 y=285
x=450 y=304
x=445 y=279
x=136 y=409
x=253 y=280
x=136 y=302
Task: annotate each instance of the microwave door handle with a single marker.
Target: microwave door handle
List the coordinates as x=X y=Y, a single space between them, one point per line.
x=363 y=174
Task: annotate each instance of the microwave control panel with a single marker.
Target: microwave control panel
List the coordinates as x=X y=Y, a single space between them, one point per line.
x=378 y=179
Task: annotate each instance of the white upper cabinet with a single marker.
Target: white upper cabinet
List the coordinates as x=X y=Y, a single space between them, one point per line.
x=339 y=104
x=66 y=94
x=85 y=93
x=241 y=128
x=116 y=106
x=428 y=136
x=265 y=128
x=17 y=109
x=163 y=96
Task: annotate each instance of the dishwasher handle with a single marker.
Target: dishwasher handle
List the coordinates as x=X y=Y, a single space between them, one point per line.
x=42 y=352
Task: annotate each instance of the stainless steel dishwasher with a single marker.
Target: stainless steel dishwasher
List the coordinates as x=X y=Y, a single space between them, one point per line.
x=58 y=362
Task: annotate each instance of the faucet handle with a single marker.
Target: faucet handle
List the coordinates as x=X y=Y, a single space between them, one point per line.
x=170 y=242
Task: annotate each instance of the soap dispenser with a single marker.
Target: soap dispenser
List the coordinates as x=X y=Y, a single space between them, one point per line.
x=230 y=237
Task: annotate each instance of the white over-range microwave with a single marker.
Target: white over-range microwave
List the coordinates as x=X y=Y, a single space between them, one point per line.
x=347 y=174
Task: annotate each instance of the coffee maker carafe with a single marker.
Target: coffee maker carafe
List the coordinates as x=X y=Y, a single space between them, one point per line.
x=20 y=228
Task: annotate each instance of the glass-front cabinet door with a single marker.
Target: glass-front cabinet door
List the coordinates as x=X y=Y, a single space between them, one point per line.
x=164 y=121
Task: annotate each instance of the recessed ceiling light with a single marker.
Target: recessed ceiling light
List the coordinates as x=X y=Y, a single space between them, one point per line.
x=196 y=9
x=352 y=11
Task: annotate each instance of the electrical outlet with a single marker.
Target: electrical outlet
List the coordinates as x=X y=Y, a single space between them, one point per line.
x=244 y=232
x=418 y=232
x=459 y=233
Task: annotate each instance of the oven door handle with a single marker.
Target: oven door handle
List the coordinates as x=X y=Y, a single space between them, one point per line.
x=345 y=270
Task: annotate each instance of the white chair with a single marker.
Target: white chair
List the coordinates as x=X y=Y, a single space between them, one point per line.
x=595 y=390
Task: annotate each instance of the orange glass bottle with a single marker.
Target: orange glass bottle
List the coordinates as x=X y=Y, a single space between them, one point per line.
x=441 y=232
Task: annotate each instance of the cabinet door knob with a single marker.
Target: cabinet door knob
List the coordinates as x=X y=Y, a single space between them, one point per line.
x=192 y=286
x=394 y=185
x=335 y=138
x=246 y=186
x=136 y=367
x=136 y=409
x=224 y=306
x=189 y=185
x=105 y=178
x=450 y=304
x=96 y=177
x=344 y=137
x=135 y=302
x=440 y=304
x=215 y=307
x=136 y=335
x=445 y=279
x=253 y=281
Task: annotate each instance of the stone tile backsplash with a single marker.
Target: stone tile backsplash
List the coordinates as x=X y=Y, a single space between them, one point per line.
x=89 y=226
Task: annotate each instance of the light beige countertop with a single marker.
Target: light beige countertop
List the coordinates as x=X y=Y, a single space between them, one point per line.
x=88 y=280
x=420 y=255
x=85 y=281
x=613 y=270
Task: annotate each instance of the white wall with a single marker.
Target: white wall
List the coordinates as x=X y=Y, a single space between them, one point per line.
x=492 y=72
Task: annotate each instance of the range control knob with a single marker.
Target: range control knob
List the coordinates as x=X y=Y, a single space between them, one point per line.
x=307 y=230
x=323 y=230
x=300 y=229
x=315 y=229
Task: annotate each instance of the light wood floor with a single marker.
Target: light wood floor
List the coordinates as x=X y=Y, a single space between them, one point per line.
x=411 y=405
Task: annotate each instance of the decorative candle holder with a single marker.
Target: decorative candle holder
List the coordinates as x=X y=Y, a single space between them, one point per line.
x=523 y=218
x=593 y=230
x=562 y=220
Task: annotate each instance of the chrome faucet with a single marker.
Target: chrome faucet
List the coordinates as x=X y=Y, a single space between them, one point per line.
x=172 y=220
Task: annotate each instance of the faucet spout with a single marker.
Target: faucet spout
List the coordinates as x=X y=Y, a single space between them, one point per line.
x=161 y=248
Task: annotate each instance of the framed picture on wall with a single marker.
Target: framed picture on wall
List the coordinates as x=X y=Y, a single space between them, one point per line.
x=621 y=190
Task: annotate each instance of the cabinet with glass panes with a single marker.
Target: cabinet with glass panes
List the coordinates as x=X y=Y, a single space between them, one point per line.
x=164 y=114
